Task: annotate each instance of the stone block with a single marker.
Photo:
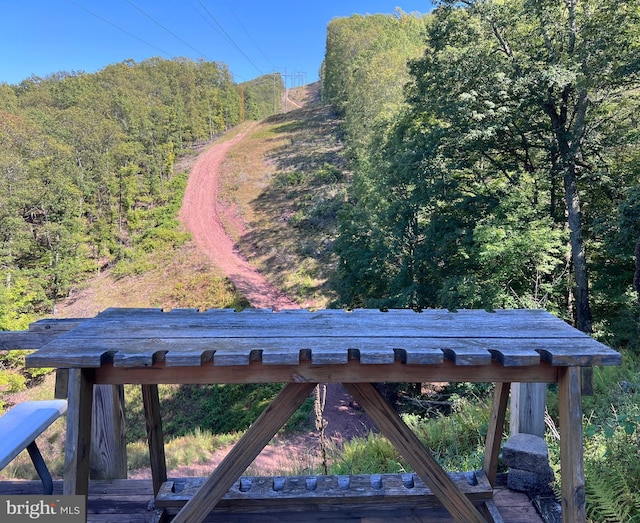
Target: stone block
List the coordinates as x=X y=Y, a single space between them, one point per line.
x=526 y=452
x=532 y=483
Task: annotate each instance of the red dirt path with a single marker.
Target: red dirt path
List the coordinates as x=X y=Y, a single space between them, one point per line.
x=200 y=215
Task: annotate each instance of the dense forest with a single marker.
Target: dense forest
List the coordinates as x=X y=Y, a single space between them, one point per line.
x=87 y=167
x=505 y=173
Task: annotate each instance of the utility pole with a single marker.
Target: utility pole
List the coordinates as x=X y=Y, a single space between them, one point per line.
x=295 y=79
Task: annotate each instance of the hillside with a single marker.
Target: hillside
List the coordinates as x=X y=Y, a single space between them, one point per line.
x=279 y=189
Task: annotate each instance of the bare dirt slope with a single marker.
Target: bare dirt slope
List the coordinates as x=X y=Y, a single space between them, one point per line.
x=204 y=215
x=200 y=214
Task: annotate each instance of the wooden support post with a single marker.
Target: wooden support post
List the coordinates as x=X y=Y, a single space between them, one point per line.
x=78 y=442
x=528 y=401
x=108 y=439
x=571 y=458
x=155 y=437
x=392 y=426
x=494 y=433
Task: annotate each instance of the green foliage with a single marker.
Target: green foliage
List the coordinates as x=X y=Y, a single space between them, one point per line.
x=612 y=465
x=365 y=69
x=455 y=440
x=86 y=171
x=373 y=454
x=262 y=96
x=611 y=442
x=14 y=376
x=489 y=187
x=218 y=409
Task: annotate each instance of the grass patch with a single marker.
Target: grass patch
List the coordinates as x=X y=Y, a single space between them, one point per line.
x=218 y=409
x=456 y=441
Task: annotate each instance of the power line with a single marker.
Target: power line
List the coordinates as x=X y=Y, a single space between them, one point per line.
x=167 y=30
x=119 y=28
x=248 y=34
x=229 y=37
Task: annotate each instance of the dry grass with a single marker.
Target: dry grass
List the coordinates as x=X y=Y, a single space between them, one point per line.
x=286 y=182
x=183 y=277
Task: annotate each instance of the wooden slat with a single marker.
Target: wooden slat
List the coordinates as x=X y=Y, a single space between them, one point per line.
x=55 y=325
x=39 y=333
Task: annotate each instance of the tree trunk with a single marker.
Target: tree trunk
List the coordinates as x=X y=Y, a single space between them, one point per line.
x=581 y=290
x=636 y=276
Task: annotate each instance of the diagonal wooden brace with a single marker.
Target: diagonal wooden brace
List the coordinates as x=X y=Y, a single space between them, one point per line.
x=403 y=439
x=244 y=452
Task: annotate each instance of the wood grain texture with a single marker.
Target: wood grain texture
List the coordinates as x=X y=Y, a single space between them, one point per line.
x=495 y=430
x=155 y=435
x=108 y=455
x=287 y=493
x=573 y=494
x=185 y=337
x=78 y=441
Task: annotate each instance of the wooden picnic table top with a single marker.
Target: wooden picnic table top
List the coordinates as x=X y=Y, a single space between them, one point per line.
x=138 y=338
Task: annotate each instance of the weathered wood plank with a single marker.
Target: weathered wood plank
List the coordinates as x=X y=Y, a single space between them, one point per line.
x=136 y=352
x=352 y=371
x=78 y=441
x=300 y=492
x=40 y=333
x=368 y=324
x=528 y=401
x=185 y=337
x=108 y=439
x=155 y=435
x=495 y=430
x=571 y=458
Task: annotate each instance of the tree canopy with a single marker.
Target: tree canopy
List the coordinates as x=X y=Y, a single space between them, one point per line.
x=505 y=178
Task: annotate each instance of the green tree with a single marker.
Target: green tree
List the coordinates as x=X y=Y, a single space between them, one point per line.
x=517 y=113
x=569 y=67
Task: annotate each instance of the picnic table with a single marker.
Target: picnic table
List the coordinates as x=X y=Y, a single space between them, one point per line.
x=302 y=348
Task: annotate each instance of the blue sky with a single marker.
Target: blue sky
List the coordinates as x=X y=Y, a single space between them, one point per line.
x=253 y=37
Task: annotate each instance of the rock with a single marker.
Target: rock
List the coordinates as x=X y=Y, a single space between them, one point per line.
x=526 y=452
x=533 y=483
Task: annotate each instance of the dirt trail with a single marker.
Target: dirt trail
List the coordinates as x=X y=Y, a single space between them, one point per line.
x=200 y=215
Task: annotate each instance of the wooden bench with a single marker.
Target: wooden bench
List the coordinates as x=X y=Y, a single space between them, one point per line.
x=19 y=428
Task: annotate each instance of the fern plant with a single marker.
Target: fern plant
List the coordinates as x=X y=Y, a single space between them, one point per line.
x=612 y=467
